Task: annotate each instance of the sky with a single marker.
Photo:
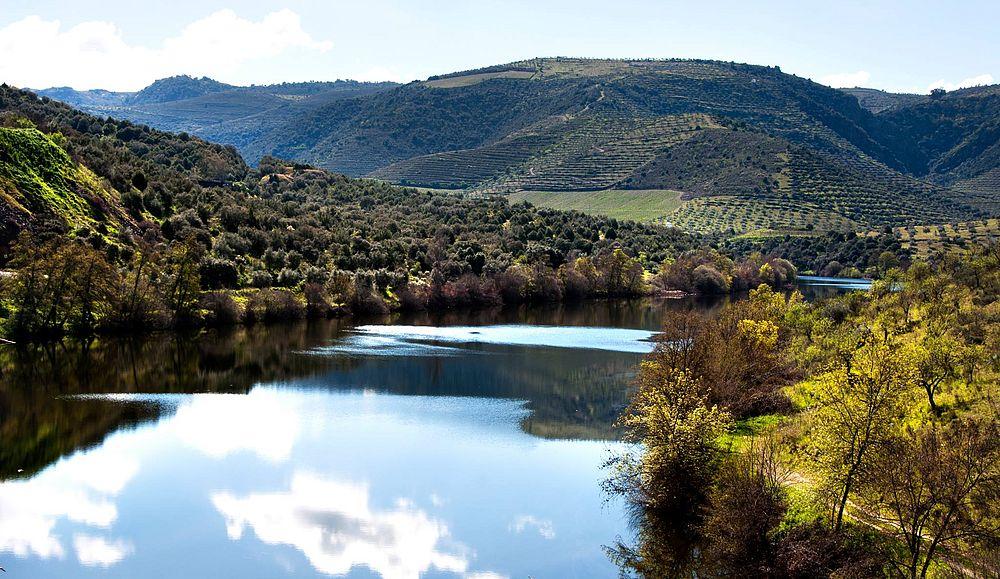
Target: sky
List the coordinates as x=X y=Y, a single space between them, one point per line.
x=903 y=46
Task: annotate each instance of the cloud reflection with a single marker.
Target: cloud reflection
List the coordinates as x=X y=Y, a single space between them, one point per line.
x=263 y=422
x=80 y=489
x=334 y=526
x=99 y=552
x=522 y=523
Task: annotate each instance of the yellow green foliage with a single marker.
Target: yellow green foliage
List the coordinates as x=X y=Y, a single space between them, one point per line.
x=38 y=178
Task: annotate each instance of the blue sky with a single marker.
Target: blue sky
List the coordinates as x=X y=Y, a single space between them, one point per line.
x=125 y=44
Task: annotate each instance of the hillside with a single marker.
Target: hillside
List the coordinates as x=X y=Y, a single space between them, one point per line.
x=119 y=186
x=773 y=151
x=957 y=137
x=880 y=101
x=749 y=148
x=39 y=182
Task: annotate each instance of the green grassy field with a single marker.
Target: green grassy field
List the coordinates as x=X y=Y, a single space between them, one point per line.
x=642 y=205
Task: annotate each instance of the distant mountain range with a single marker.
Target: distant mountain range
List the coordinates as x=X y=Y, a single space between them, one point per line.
x=227 y=114
x=749 y=148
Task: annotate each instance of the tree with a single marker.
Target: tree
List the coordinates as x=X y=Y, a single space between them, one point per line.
x=183 y=279
x=138 y=303
x=666 y=480
x=622 y=274
x=709 y=281
x=861 y=402
x=61 y=285
x=669 y=414
x=937 y=360
x=745 y=507
x=935 y=487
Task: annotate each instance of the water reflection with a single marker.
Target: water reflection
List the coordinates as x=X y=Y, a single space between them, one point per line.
x=44 y=414
x=331 y=483
x=333 y=524
x=426 y=340
x=238 y=454
x=80 y=490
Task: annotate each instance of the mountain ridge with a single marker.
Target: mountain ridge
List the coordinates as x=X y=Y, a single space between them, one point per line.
x=865 y=158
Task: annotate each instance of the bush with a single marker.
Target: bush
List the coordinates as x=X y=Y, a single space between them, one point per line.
x=220 y=309
x=709 y=281
x=273 y=305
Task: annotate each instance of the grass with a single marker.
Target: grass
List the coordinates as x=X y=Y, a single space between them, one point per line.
x=38 y=178
x=641 y=205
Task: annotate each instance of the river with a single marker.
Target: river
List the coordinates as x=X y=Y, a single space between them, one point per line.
x=466 y=445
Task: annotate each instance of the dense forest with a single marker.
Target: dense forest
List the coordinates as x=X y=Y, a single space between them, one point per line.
x=857 y=436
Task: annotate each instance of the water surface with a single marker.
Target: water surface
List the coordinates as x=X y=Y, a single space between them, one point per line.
x=468 y=445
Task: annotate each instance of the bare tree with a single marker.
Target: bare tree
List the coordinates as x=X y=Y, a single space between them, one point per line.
x=936 y=488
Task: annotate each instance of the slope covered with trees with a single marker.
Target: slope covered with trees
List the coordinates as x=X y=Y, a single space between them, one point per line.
x=853 y=437
x=185 y=216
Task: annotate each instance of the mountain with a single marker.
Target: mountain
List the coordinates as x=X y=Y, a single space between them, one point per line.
x=223 y=113
x=957 y=142
x=748 y=149
x=177 y=88
x=880 y=101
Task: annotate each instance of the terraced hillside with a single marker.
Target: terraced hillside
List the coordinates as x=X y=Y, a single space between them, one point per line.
x=780 y=152
x=880 y=101
x=926 y=240
x=956 y=136
x=436 y=116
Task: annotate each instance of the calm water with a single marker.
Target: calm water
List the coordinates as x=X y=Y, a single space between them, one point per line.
x=468 y=445
x=468 y=448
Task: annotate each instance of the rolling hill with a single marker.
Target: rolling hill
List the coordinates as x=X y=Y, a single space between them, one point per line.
x=750 y=149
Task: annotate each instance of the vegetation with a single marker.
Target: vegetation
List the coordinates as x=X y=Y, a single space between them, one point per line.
x=708 y=272
x=853 y=437
x=833 y=254
x=173 y=217
x=926 y=241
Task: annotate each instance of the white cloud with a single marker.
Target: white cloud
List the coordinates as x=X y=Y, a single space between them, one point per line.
x=846 y=79
x=334 y=526
x=522 y=523
x=39 y=53
x=979 y=80
x=100 y=552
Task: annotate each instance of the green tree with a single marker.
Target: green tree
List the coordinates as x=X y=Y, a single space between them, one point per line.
x=862 y=401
